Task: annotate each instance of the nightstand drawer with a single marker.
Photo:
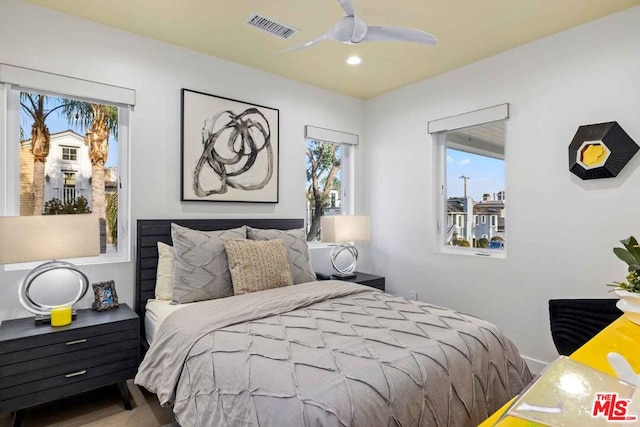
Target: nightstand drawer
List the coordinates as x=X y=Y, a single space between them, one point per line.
x=36 y=369
x=359 y=277
x=378 y=284
x=81 y=371
x=64 y=348
x=98 y=377
x=62 y=338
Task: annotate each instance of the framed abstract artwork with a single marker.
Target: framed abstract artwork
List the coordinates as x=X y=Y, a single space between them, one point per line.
x=230 y=150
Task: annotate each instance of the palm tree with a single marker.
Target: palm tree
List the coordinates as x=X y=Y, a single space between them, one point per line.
x=99 y=121
x=112 y=218
x=34 y=105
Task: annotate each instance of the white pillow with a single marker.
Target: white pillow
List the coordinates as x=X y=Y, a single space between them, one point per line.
x=164 y=277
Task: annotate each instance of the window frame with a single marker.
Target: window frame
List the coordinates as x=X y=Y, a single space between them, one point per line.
x=438 y=130
x=72 y=150
x=14 y=80
x=349 y=143
x=347 y=187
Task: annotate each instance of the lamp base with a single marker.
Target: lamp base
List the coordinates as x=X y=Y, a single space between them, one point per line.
x=46 y=320
x=342 y=276
x=346 y=272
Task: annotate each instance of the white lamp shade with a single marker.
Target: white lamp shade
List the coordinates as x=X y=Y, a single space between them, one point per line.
x=344 y=228
x=47 y=237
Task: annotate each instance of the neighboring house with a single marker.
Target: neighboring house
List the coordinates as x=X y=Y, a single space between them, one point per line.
x=67 y=171
x=456 y=218
x=488 y=218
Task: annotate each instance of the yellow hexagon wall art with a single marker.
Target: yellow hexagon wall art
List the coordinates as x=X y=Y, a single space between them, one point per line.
x=600 y=151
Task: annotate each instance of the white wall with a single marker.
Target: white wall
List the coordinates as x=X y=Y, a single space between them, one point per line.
x=42 y=39
x=560 y=230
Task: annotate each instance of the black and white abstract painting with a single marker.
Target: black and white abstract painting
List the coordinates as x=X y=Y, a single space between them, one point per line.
x=229 y=150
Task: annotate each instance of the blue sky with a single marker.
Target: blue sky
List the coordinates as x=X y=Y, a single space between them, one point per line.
x=487 y=174
x=57 y=123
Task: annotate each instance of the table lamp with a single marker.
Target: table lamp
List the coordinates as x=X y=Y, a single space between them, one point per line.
x=49 y=237
x=343 y=229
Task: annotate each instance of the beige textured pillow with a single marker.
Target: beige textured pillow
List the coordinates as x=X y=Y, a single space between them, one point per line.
x=257 y=265
x=164 y=276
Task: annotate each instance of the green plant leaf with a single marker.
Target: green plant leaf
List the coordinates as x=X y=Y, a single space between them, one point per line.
x=628 y=258
x=632 y=246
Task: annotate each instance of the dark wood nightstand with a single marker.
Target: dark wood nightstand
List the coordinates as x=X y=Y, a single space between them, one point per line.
x=39 y=364
x=361 y=278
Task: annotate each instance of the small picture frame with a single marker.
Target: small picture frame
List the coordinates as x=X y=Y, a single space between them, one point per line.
x=105 y=295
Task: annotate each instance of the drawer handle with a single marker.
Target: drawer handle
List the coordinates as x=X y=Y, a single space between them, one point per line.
x=77 y=341
x=75 y=374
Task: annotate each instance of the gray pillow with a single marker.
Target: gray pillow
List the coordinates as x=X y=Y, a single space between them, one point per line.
x=297 y=250
x=201 y=270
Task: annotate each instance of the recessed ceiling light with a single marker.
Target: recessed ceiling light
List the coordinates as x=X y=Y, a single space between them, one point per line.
x=354 y=60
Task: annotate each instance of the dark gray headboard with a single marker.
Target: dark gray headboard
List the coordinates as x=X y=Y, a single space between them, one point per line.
x=152 y=231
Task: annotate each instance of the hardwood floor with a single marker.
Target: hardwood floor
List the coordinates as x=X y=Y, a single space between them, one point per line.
x=98 y=408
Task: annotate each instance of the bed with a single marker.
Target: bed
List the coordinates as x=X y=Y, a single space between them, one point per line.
x=327 y=353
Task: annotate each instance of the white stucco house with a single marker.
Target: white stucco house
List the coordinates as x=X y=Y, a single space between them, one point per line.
x=68 y=168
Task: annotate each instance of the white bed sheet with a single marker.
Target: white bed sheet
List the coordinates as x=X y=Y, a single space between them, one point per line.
x=156 y=312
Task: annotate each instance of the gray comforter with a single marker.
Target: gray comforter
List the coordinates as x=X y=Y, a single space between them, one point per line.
x=329 y=354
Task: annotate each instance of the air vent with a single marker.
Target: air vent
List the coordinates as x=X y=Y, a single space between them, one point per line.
x=271 y=26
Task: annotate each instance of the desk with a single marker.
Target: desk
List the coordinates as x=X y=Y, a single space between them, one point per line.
x=622 y=336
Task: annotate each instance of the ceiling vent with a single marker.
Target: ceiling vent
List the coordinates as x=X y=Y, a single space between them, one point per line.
x=271 y=26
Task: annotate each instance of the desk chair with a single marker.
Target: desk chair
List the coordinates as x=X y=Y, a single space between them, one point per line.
x=576 y=321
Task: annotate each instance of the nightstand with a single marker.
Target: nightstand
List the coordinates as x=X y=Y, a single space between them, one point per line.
x=361 y=278
x=39 y=364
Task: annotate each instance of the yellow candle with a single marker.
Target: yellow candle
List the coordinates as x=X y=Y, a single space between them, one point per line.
x=61 y=316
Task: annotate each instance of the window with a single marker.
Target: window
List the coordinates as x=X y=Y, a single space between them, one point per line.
x=69 y=153
x=329 y=159
x=68 y=195
x=327 y=179
x=471 y=172
x=39 y=179
x=459 y=220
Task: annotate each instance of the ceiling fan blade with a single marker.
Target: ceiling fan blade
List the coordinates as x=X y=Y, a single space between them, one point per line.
x=347 y=6
x=326 y=36
x=399 y=34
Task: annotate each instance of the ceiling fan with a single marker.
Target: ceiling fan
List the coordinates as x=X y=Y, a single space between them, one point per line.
x=352 y=30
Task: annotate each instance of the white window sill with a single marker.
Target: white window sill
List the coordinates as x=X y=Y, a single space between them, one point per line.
x=319 y=245
x=475 y=252
x=103 y=259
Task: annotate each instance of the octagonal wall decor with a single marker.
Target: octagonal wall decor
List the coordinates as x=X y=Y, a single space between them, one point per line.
x=600 y=151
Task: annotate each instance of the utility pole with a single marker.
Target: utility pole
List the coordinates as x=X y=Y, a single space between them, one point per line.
x=465 y=178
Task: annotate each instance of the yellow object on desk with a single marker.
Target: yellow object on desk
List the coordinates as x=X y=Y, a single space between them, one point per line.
x=622 y=336
x=61 y=316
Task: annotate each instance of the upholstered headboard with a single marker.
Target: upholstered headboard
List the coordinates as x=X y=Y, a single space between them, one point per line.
x=152 y=231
